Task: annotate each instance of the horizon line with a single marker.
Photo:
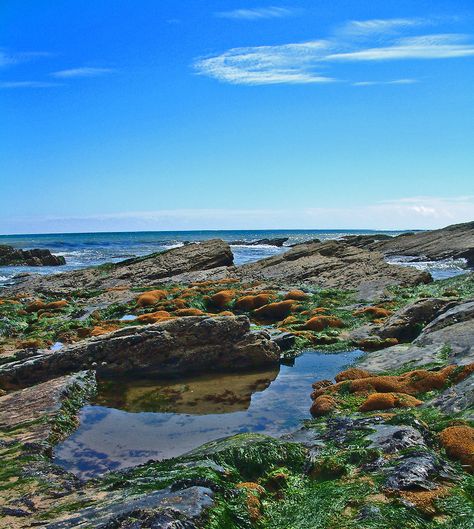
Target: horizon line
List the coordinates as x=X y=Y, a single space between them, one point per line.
x=222 y=230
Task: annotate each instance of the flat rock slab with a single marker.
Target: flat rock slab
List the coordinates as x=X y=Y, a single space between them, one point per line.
x=161 y=509
x=455 y=241
x=333 y=264
x=456 y=399
x=449 y=338
x=182 y=345
x=392 y=439
x=37 y=404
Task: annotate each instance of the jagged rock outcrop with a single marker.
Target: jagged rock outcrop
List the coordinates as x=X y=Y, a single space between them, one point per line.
x=455 y=241
x=407 y=323
x=181 y=345
x=332 y=264
x=278 y=242
x=131 y=272
x=448 y=338
x=10 y=256
x=456 y=399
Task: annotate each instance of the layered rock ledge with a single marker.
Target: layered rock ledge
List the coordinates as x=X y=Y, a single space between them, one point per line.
x=178 y=346
x=132 y=272
x=455 y=241
x=333 y=264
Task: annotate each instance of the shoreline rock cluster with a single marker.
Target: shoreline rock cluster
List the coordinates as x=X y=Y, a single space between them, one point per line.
x=10 y=256
x=391 y=442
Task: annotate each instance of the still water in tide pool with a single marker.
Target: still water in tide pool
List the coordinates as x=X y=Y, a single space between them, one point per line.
x=133 y=421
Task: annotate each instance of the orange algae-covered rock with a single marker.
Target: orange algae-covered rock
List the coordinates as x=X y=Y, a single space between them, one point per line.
x=374 y=344
x=226 y=313
x=318 y=310
x=425 y=500
x=297 y=295
x=189 y=312
x=458 y=441
x=413 y=382
x=275 y=311
x=374 y=312
x=149 y=298
x=318 y=323
x=385 y=401
x=177 y=304
x=153 y=317
x=83 y=332
x=253 y=493
x=103 y=329
x=252 y=302
x=54 y=305
x=35 y=305
x=353 y=373
x=462 y=372
x=323 y=405
x=289 y=321
x=33 y=343
x=222 y=299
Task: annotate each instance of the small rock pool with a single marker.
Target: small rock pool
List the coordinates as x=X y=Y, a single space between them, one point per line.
x=133 y=421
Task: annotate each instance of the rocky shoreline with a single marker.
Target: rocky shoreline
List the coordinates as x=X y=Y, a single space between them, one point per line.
x=391 y=441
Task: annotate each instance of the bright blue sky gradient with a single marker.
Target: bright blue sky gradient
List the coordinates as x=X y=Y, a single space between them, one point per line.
x=125 y=115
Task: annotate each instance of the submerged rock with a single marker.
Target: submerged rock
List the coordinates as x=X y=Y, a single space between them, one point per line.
x=10 y=256
x=182 y=345
x=278 y=242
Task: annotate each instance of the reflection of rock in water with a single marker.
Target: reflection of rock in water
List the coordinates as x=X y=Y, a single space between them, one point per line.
x=223 y=393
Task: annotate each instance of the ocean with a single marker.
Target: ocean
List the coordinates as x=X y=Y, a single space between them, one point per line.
x=89 y=249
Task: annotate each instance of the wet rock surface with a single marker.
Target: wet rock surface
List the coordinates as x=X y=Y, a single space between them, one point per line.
x=182 y=345
x=392 y=439
x=40 y=403
x=161 y=509
x=419 y=471
x=10 y=256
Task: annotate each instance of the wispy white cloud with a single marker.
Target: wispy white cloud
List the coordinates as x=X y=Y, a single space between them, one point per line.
x=27 y=84
x=256 y=13
x=84 y=71
x=8 y=58
x=290 y=63
x=398 y=214
x=392 y=81
x=441 y=46
x=311 y=61
x=378 y=25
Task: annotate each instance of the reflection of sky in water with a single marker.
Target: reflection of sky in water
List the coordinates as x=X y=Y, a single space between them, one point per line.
x=110 y=439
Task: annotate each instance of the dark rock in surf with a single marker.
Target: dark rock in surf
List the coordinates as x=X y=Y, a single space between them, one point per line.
x=10 y=256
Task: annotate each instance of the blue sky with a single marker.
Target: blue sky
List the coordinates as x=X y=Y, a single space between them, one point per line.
x=126 y=115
